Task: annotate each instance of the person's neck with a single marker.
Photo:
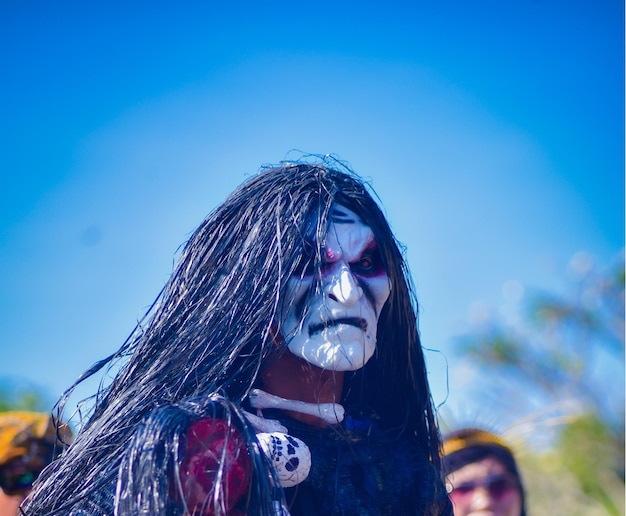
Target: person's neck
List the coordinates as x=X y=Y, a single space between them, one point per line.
x=291 y=377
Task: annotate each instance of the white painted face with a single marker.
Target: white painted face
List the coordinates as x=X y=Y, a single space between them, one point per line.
x=338 y=331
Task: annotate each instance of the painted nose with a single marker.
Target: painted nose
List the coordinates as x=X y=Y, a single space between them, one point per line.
x=343 y=288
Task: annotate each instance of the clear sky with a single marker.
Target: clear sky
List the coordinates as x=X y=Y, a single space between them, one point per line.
x=492 y=131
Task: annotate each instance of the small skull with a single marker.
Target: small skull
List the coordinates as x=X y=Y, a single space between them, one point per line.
x=290 y=456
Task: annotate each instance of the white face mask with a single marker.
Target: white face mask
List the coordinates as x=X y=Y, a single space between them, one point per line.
x=339 y=330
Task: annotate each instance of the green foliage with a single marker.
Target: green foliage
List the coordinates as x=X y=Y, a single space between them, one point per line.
x=592 y=453
x=552 y=489
x=19 y=397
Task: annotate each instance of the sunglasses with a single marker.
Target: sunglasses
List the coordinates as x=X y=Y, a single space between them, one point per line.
x=497 y=486
x=16 y=483
x=17 y=475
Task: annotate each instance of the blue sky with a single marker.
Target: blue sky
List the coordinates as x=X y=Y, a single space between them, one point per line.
x=493 y=133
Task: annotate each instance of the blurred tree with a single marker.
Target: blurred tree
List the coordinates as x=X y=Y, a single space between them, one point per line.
x=20 y=396
x=568 y=348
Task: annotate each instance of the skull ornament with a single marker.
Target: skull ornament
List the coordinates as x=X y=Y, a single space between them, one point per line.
x=290 y=456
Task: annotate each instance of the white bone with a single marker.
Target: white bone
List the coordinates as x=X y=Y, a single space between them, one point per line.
x=332 y=413
x=261 y=424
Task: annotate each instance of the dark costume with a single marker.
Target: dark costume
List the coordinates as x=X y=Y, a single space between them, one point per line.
x=360 y=469
x=203 y=347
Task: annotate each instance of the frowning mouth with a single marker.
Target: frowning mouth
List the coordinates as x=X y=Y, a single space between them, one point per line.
x=357 y=322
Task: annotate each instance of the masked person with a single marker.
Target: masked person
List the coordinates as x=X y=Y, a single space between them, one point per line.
x=280 y=371
x=28 y=443
x=482 y=474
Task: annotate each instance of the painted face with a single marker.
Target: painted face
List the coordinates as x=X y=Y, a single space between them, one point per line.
x=484 y=488
x=336 y=329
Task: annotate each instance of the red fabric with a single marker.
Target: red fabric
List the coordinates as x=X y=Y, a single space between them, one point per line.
x=211 y=442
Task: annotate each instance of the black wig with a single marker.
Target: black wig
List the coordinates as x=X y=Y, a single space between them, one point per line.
x=199 y=350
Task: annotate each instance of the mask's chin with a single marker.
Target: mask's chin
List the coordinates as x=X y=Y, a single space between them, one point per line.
x=344 y=354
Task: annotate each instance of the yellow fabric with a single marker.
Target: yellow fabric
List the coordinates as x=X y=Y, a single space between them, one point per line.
x=472 y=437
x=18 y=429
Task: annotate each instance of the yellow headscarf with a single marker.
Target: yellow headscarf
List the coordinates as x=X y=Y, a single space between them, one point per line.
x=469 y=437
x=18 y=430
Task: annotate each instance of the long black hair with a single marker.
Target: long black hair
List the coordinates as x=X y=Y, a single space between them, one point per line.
x=205 y=339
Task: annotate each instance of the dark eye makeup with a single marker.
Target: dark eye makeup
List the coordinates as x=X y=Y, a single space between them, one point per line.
x=369 y=264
